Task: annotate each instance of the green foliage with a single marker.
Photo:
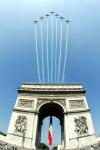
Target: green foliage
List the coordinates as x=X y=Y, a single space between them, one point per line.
x=55 y=148
x=43 y=146
x=2 y=133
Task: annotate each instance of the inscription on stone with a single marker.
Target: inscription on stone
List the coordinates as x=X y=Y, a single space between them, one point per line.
x=25 y=103
x=76 y=104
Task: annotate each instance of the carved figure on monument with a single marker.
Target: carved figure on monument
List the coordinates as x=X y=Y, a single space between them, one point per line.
x=20 y=124
x=81 y=125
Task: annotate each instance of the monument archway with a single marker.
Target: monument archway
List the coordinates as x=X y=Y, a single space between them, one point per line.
x=50 y=109
x=65 y=101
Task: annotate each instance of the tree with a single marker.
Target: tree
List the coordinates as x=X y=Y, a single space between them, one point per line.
x=55 y=148
x=2 y=133
x=43 y=146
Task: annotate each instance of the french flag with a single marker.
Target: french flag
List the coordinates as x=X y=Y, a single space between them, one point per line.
x=50 y=132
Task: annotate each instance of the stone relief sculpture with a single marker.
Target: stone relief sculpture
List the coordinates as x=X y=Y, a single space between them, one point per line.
x=25 y=103
x=76 y=104
x=20 y=124
x=81 y=125
x=42 y=100
x=63 y=102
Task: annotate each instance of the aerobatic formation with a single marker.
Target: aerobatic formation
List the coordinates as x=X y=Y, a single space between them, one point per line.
x=51 y=32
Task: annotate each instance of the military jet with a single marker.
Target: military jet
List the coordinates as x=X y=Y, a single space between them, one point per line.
x=52 y=12
x=47 y=15
x=35 y=21
x=61 y=18
x=67 y=21
x=41 y=18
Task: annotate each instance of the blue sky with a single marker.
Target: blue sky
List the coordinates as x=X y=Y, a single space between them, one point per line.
x=17 y=51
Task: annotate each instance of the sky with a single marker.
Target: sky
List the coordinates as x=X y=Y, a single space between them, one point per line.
x=18 y=56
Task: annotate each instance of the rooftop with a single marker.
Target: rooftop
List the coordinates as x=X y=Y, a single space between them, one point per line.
x=51 y=87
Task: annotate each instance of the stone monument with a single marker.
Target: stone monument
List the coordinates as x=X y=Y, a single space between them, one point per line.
x=37 y=101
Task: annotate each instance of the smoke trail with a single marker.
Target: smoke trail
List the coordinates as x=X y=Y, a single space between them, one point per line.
x=42 y=49
x=60 y=52
x=65 y=52
x=37 y=54
x=52 y=50
x=47 y=50
x=56 y=51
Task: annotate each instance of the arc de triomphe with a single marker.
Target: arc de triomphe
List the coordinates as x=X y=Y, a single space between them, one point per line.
x=37 y=101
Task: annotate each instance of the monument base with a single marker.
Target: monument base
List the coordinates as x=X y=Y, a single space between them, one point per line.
x=6 y=146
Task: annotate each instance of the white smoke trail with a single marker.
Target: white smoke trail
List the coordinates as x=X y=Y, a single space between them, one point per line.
x=52 y=52
x=56 y=51
x=42 y=50
x=37 y=56
x=60 y=52
x=47 y=51
x=65 y=52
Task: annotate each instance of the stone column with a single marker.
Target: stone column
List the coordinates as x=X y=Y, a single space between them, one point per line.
x=35 y=127
x=66 y=132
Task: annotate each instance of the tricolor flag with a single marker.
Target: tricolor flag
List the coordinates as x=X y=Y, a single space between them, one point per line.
x=50 y=132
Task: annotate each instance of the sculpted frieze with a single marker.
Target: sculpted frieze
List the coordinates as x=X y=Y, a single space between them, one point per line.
x=20 y=124
x=81 y=127
x=76 y=104
x=24 y=103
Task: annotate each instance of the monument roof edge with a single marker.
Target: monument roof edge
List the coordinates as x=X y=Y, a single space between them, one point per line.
x=34 y=83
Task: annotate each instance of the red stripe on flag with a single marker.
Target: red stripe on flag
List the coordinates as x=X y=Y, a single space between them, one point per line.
x=50 y=137
x=50 y=132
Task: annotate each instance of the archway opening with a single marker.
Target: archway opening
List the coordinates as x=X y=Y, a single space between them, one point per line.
x=56 y=111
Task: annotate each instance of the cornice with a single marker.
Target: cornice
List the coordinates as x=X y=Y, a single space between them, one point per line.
x=51 y=90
